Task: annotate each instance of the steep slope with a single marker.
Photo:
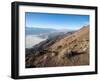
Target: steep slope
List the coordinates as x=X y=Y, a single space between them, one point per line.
x=64 y=50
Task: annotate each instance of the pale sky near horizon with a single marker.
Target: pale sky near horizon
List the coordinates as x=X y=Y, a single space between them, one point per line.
x=55 y=21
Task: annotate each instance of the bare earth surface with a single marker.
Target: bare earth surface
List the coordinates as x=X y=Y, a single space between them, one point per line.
x=66 y=50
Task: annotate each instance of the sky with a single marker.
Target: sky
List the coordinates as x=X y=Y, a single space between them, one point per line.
x=55 y=21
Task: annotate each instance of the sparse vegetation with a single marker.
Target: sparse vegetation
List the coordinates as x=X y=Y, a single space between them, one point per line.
x=59 y=47
x=67 y=50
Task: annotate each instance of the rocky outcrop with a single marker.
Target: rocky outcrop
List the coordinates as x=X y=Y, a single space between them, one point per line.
x=69 y=49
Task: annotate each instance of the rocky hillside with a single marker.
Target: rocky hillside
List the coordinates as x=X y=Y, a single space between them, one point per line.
x=69 y=49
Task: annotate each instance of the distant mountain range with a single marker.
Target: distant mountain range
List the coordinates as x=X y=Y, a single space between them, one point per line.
x=44 y=32
x=36 y=31
x=66 y=49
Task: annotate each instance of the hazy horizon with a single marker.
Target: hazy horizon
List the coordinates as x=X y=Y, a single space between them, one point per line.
x=47 y=25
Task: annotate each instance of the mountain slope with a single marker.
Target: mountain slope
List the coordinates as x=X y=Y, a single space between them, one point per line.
x=64 y=50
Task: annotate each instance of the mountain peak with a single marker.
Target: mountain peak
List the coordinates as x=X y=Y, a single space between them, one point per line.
x=85 y=27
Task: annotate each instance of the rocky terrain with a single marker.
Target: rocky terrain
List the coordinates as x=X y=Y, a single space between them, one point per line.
x=69 y=49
